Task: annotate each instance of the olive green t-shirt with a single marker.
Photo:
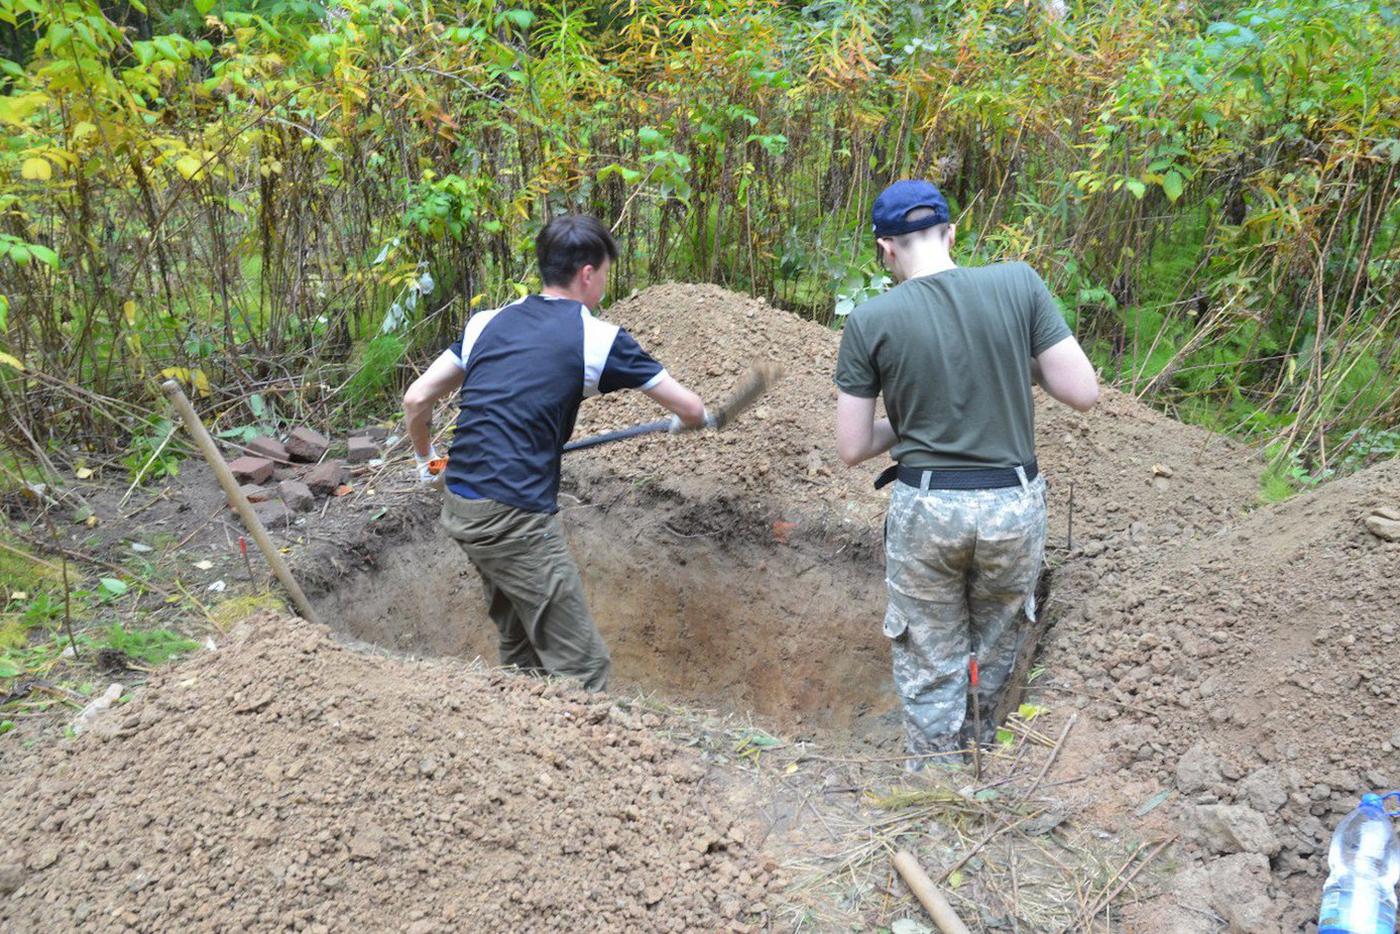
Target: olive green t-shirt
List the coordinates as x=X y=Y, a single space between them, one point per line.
x=951 y=353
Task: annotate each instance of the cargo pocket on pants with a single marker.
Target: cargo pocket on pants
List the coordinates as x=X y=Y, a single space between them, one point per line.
x=895 y=624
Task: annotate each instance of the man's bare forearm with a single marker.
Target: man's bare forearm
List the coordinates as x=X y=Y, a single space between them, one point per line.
x=882 y=437
x=443 y=377
x=420 y=429
x=880 y=440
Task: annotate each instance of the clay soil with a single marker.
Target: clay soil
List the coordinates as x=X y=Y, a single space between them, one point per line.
x=1209 y=652
x=284 y=781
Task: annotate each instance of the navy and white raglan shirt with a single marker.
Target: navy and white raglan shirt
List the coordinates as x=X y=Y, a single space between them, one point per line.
x=527 y=368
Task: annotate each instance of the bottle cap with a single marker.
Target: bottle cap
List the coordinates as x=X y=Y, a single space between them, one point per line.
x=1371 y=800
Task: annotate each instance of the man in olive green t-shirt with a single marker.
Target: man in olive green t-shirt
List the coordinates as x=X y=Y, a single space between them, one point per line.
x=954 y=351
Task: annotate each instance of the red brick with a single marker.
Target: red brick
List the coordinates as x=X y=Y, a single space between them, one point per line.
x=254 y=493
x=273 y=514
x=360 y=450
x=306 y=445
x=296 y=495
x=251 y=469
x=271 y=448
x=324 y=477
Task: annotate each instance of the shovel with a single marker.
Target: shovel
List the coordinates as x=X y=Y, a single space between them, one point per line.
x=754 y=382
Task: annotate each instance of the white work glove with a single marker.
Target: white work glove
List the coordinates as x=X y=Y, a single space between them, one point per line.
x=425 y=476
x=677 y=426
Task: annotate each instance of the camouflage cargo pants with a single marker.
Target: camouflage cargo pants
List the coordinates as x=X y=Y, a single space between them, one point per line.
x=961 y=568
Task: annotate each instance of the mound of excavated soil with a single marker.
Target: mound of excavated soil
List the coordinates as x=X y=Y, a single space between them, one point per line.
x=1255 y=669
x=286 y=782
x=782 y=454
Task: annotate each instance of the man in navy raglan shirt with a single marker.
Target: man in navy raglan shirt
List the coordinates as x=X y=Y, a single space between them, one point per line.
x=523 y=370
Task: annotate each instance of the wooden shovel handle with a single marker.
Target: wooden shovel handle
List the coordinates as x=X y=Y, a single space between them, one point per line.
x=251 y=522
x=928 y=895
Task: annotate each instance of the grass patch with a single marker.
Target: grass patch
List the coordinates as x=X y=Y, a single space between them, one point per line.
x=22 y=571
x=14 y=634
x=1275 y=486
x=237 y=609
x=149 y=646
x=378 y=360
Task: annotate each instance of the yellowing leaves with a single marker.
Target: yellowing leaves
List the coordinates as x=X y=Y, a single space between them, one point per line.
x=187 y=166
x=16 y=108
x=195 y=379
x=129 y=311
x=36 y=169
x=11 y=361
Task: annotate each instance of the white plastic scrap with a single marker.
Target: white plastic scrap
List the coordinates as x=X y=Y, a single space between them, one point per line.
x=89 y=713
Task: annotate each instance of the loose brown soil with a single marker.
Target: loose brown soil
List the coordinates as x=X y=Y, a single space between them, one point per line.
x=1255 y=669
x=285 y=781
x=1213 y=653
x=780 y=459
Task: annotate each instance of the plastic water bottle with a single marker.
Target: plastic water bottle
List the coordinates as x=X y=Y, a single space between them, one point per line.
x=1364 y=864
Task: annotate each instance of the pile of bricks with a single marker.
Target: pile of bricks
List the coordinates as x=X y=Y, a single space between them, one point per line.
x=283 y=478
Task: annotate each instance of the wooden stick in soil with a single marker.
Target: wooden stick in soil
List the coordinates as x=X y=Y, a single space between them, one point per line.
x=240 y=502
x=1112 y=891
x=928 y=895
x=67 y=587
x=1050 y=760
x=974 y=687
x=1069 y=532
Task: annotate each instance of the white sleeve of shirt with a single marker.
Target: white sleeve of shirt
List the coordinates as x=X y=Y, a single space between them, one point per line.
x=475 y=325
x=597 y=344
x=632 y=367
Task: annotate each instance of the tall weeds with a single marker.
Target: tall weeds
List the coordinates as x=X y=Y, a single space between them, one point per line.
x=249 y=199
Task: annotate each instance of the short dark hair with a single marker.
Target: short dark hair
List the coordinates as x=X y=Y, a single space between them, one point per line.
x=568 y=243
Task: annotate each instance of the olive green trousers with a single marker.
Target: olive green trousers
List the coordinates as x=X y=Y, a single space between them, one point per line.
x=533 y=590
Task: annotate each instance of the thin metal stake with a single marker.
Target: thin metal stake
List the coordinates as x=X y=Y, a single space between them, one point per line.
x=976 y=718
x=1069 y=537
x=247 y=562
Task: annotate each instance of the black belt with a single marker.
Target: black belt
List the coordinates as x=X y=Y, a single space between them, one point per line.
x=969 y=478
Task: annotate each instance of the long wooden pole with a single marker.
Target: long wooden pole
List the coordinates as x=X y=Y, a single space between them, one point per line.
x=928 y=895
x=240 y=502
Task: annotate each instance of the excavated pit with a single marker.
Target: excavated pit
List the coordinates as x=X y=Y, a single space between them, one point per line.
x=693 y=609
x=786 y=632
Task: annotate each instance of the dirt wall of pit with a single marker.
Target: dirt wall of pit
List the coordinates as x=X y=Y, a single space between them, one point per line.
x=788 y=630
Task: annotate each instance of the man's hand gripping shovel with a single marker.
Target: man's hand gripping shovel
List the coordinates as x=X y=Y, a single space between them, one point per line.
x=752 y=384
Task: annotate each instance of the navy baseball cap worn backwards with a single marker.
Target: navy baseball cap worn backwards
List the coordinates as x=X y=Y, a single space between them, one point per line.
x=896 y=201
